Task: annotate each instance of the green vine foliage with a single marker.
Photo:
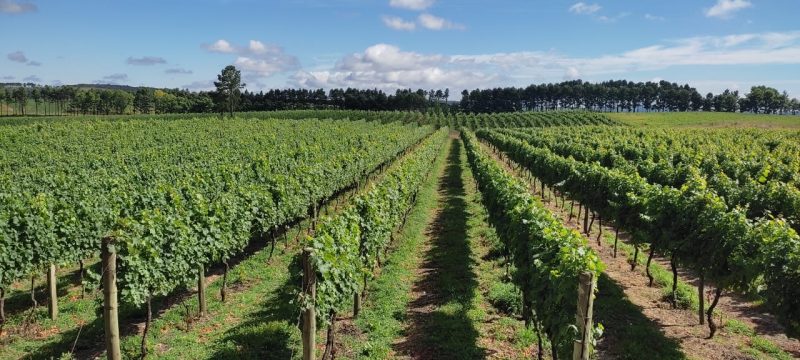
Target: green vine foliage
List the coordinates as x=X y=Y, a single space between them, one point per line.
x=754 y=169
x=346 y=247
x=548 y=257
x=174 y=193
x=692 y=222
x=519 y=119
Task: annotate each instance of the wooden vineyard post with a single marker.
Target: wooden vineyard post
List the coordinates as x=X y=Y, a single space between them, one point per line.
x=110 y=307
x=356 y=304
x=201 y=290
x=309 y=313
x=582 y=347
x=52 y=304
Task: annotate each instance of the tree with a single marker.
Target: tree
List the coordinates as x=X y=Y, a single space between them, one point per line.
x=21 y=97
x=120 y=100
x=143 y=101
x=36 y=95
x=229 y=86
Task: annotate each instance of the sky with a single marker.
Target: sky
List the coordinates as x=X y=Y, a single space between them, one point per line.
x=389 y=44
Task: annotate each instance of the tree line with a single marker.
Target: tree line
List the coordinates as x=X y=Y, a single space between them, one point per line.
x=230 y=96
x=628 y=96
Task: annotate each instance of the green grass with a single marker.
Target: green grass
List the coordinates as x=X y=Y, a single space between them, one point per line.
x=461 y=243
x=451 y=328
x=706 y=119
x=255 y=322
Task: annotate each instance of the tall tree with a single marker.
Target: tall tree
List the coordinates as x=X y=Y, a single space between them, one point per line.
x=143 y=101
x=229 y=87
x=21 y=97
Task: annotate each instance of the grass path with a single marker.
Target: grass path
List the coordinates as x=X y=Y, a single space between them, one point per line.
x=430 y=301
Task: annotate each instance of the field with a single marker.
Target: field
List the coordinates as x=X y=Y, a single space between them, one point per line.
x=400 y=235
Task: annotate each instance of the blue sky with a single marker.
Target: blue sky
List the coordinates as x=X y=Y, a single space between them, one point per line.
x=389 y=44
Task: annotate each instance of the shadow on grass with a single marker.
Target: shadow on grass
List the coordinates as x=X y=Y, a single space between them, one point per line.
x=20 y=301
x=270 y=333
x=628 y=333
x=440 y=327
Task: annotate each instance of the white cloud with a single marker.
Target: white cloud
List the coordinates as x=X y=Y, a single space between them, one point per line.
x=257 y=59
x=397 y=23
x=652 y=17
x=592 y=10
x=220 y=46
x=584 y=8
x=726 y=8
x=743 y=49
x=257 y=47
x=612 y=19
x=433 y=22
x=572 y=73
x=412 y=4
x=11 y=7
x=388 y=67
x=32 y=79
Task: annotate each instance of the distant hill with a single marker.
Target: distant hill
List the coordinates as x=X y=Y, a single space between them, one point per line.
x=83 y=86
x=108 y=87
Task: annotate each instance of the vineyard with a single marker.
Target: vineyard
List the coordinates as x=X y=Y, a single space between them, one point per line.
x=361 y=234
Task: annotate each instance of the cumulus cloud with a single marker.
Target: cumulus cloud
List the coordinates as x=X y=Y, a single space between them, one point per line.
x=257 y=47
x=582 y=8
x=220 y=46
x=432 y=22
x=397 y=23
x=33 y=63
x=257 y=59
x=7 y=77
x=388 y=67
x=412 y=4
x=145 y=61
x=726 y=8
x=11 y=7
x=179 y=71
x=32 y=79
